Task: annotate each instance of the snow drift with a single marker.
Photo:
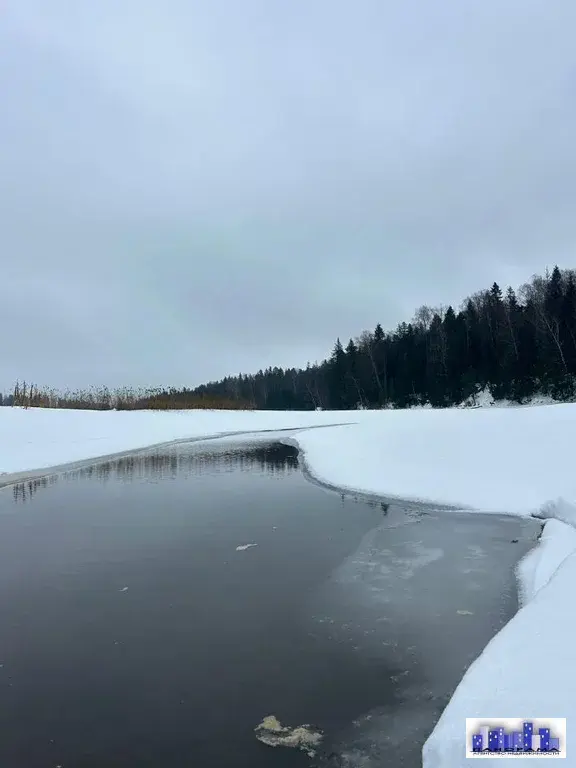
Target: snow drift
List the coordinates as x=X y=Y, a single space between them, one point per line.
x=504 y=460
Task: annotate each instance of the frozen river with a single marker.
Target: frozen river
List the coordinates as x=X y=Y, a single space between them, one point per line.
x=139 y=629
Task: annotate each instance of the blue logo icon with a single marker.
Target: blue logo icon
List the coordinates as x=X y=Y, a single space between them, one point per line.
x=509 y=737
x=497 y=740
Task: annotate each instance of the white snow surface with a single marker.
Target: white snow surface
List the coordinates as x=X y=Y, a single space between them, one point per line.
x=537 y=568
x=507 y=460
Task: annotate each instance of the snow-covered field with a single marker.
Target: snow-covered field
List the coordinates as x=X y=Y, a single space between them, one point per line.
x=514 y=460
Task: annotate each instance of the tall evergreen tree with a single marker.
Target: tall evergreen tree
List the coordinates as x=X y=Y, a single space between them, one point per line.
x=337 y=374
x=456 y=339
x=354 y=394
x=568 y=323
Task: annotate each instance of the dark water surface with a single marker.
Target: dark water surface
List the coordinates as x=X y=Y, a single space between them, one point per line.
x=135 y=635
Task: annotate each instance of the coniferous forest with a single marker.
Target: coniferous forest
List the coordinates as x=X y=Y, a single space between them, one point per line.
x=514 y=343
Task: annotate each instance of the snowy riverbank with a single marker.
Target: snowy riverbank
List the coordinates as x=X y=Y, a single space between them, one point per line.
x=38 y=438
x=512 y=460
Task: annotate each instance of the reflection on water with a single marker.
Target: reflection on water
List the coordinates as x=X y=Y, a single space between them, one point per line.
x=167 y=464
x=184 y=461
x=133 y=607
x=22 y=492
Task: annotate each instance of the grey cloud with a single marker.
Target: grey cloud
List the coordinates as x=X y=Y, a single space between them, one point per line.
x=190 y=190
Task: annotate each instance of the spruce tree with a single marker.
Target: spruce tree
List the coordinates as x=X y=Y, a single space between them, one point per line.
x=337 y=377
x=568 y=323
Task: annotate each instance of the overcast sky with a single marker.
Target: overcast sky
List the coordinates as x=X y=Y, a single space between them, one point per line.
x=190 y=189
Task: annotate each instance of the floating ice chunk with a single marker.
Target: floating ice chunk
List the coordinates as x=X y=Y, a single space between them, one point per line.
x=242 y=547
x=305 y=737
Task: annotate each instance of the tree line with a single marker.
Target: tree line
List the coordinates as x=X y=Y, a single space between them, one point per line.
x=27 y=395
x=514 y=343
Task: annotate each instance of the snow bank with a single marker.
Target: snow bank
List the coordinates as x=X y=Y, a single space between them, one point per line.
x=529 y=668
x=560 y=509
x=538 y=567
x=484 y=399
x=495 y=460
